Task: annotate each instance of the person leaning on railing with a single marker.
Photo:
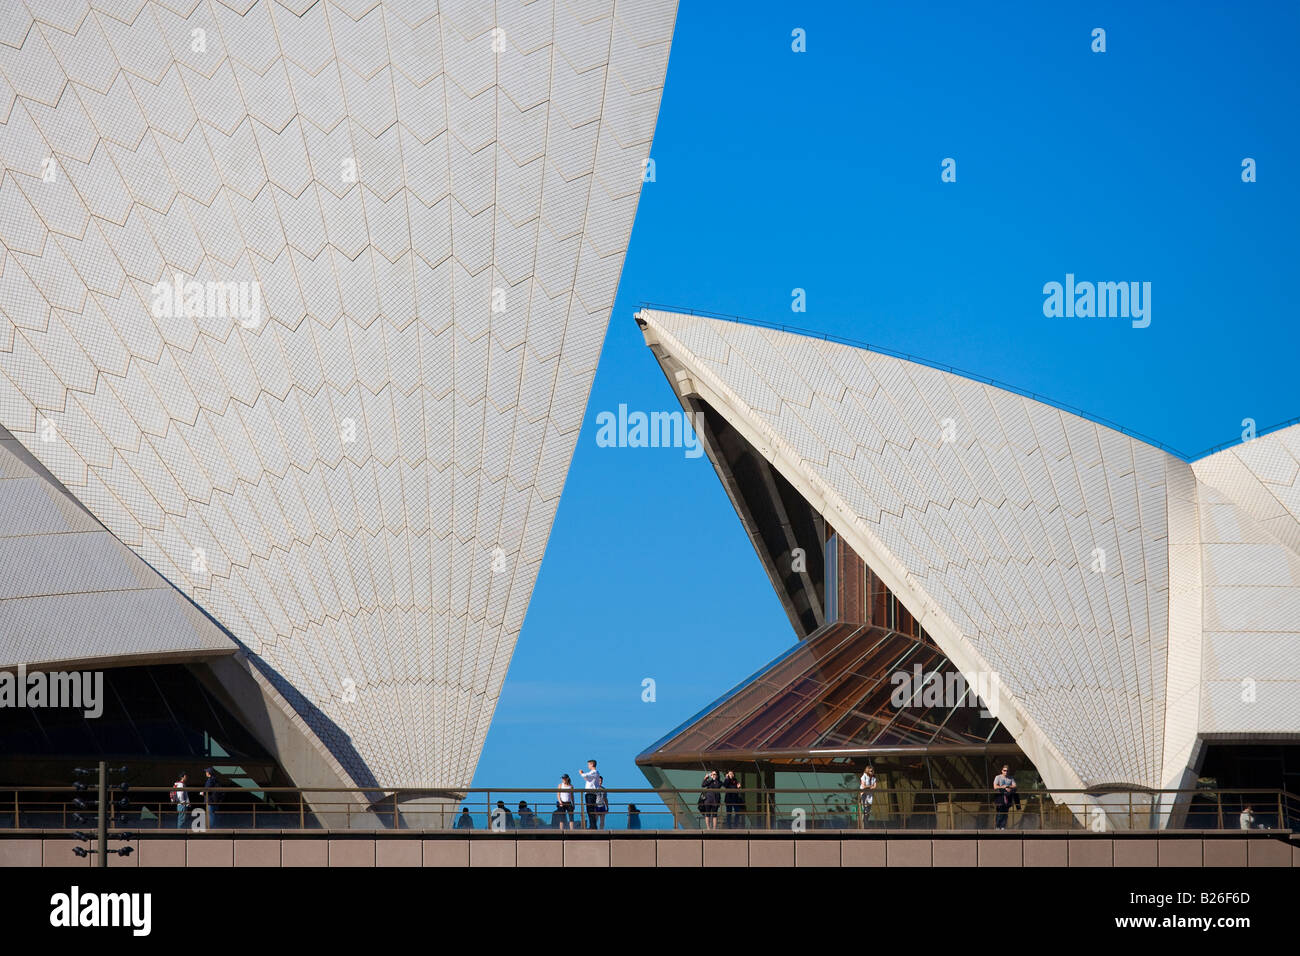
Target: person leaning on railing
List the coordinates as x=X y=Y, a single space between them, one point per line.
x=867 y=791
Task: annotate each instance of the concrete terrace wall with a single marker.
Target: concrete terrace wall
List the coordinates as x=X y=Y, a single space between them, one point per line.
x=34 y=848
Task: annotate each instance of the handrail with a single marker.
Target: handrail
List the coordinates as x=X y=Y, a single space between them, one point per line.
x=973 y=376
x=763 y=808
x=551 y=788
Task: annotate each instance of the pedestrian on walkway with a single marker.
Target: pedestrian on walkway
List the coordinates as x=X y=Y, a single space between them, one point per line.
x=564 y=802
x=1004 y=788
x=181 y=797
x=867 y=792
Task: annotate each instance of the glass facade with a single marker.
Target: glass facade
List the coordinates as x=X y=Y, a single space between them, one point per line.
x=158 y=721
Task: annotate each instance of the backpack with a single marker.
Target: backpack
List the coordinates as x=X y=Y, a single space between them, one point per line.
x=176 y=791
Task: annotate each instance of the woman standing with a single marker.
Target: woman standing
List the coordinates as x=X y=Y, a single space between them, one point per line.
x=709 y=800
x=734 y=801
x=564 y=802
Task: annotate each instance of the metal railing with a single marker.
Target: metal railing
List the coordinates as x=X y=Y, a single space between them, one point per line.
x=511 y=809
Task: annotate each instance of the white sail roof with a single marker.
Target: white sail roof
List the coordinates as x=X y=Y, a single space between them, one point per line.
x=1031 y=543
x=356 y=471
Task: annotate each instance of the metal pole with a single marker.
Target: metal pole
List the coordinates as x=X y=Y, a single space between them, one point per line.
x=103 y=815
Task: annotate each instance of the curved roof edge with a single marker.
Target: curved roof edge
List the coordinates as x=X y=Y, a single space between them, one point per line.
x=972 y=376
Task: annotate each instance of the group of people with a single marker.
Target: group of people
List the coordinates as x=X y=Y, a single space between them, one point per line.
x=209 y=793
x=595 y=808
x=723 y=793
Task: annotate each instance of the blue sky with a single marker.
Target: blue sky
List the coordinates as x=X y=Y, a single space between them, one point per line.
x=820 y=170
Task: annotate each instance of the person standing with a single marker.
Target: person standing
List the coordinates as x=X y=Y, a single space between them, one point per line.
x=1004 y=788
x=502 y=818
x=867 y=792
x=1247 y=819
x=602 y=803
x=564 y=802
x=211 y=796
x=527 y=819
x=181 y=797
x=710 y=797
x=733 y=800
x=464 y=821
x=591 y=783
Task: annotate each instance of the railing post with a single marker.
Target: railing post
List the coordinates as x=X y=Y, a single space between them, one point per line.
x=395 y=824
x=302 y=811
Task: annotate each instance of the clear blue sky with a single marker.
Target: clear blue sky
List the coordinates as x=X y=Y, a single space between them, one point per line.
x=821 y=170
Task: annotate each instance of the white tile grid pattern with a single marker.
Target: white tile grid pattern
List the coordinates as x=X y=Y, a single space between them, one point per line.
x=1251 y=648
x=1263 y=477
x=349 y=467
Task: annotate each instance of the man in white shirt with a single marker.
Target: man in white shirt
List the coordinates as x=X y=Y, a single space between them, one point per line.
x=592 y=781
x=866 y=786
x=1247 y=818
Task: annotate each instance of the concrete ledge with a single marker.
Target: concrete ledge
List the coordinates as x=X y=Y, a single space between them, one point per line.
x=727 y=853
x=679 y=852
x=257 y=853
x=908 y=853
x=1136 y=853
x=446 y=852
x=955 y=853
x=1092 y=853
x=351 y=852
x=862 y=853
x=771 y=852
x=210 y=852
x=1045 y=853
x=669 y=849
x=583 y=853
x=304 y=853
x=632 y=853
x=398 y=853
